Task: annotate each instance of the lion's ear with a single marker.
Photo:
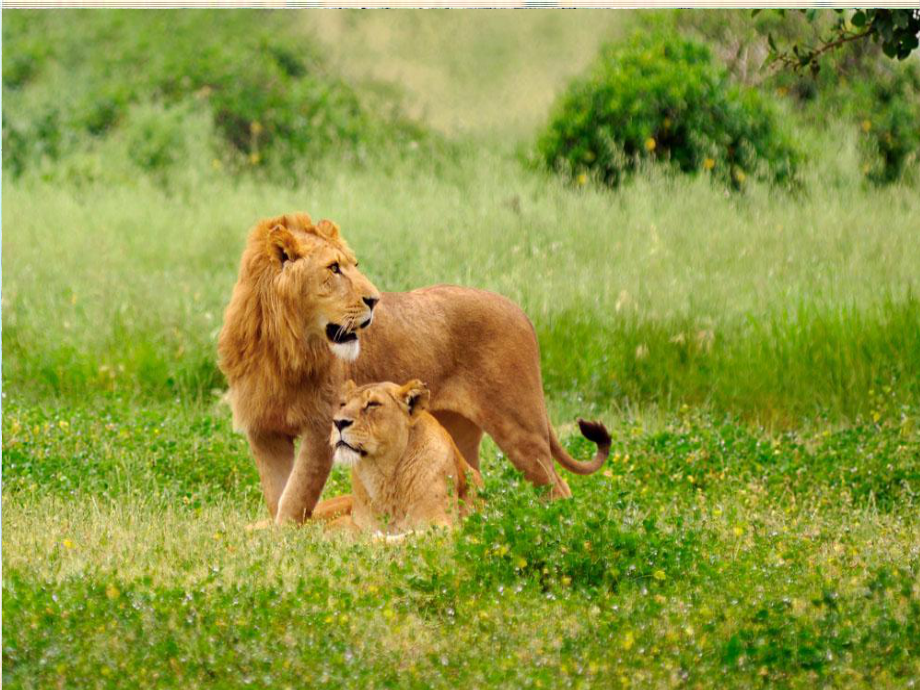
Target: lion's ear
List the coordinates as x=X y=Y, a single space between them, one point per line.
x=415 y=395
x=327 y=230
x=282 y=244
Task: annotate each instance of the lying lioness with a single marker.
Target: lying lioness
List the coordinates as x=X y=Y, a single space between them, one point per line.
x=406 y=471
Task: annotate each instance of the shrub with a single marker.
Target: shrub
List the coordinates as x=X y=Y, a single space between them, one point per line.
x=890 y=113
x=663 y=98
x=156 y=138
x=857 y=81
x=267 y=90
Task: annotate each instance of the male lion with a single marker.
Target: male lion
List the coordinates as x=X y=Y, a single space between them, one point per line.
x=406 y=471
x=293 y=332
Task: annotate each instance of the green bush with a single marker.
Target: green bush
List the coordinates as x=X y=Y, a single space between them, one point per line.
x=890 y=112
x=664 y=98
x=156 y=138
x=271 y=99
x=857 y=80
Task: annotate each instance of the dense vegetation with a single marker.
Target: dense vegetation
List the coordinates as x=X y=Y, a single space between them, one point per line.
x=755 y=355
x=661 y=97
x=267 y=98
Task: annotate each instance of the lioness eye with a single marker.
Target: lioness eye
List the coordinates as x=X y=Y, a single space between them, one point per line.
x=371 y=404
x=342 y=404
x=334 y=268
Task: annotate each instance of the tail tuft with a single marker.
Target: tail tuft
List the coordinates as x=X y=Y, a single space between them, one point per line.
x=596 y=433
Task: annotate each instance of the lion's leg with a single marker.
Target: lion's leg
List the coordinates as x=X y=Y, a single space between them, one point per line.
x=306 y=481
x=329 y=509
x=465 y=433
x=343 y=523
x=274 y=455
x=529 y=451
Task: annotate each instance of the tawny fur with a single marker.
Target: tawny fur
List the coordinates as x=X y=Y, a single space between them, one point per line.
x=408 y=473
x=476 y=350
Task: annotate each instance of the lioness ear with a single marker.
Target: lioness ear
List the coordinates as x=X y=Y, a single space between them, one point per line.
x=349 y=387
x=327 y=229
x=282 y=244
x=415 y=395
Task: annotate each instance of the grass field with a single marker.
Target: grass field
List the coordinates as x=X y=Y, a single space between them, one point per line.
x=756 y=357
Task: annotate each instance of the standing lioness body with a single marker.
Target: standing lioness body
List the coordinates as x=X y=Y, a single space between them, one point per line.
x=302 y=319
x=406 y=471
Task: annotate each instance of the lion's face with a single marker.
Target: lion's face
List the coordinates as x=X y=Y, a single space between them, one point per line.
x=316 y=276
x=373 y=421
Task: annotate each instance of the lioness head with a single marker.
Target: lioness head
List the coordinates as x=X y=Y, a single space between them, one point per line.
x=373 y=421
x=299 y=287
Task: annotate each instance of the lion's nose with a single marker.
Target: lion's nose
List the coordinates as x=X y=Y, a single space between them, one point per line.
x=341 y=424
x=371 y=302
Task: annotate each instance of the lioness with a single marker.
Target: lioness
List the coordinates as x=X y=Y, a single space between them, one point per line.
x=406 y=471
x=293 y=332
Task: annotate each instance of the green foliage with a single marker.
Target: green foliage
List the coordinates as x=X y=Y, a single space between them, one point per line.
x=710 y=551
x=271 y=100
x=189 y=455
x=156 y=138
x=706 y=544
x=890 y=112
x=897 y=32
x=24 y=62
x=663 y=98
x=774 y=637
x=854 y=79
x=783 y=366
x=112 y=449
x=553 y=546
x=139 y=282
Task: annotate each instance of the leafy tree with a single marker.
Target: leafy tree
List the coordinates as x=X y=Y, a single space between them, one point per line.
x=896 y=31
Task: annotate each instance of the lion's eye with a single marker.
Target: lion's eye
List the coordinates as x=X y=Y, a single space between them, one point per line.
x=335 y=267
x=371 y=404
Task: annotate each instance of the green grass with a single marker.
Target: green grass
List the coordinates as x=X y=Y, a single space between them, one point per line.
x=768 y=305
x=707 y=550
x=755 y=356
